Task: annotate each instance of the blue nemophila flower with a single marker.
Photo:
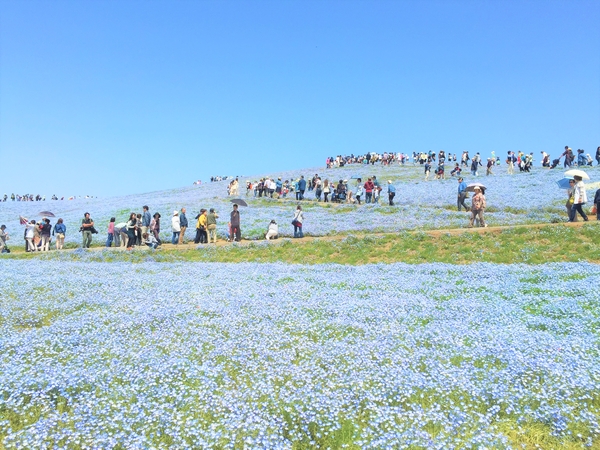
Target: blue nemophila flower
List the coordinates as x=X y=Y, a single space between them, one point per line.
x=185 y=355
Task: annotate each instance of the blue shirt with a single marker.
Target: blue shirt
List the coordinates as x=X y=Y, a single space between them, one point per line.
x=146 y=219
x=462 y=187
x=391 y=188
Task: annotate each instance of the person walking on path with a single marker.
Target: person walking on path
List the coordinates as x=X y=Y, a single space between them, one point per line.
x=234 y=222
x=175 y=228
x=391 y=192
x=60 y=229
x=86 y=228
x=477 y=208
x=297 y=222
x=183 y=222
x=570 y=200
x=579 y=199
x=462 y=194
x=211 y=225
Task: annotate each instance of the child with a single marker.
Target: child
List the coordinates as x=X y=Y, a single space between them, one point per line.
x=150 y=240
x=111 y=232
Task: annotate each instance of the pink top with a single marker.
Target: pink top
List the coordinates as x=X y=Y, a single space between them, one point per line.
x=111 y=227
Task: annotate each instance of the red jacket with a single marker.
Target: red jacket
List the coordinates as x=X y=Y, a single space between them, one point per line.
x=369 y=186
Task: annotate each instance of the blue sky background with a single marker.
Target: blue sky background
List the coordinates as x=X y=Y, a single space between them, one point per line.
x=118 y=97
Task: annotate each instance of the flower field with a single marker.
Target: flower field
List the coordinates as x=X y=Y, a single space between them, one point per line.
x=519 y=199
x=175 y=355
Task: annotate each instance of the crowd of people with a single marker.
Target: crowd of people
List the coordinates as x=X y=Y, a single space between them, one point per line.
x=143 y=229
x=36 y=198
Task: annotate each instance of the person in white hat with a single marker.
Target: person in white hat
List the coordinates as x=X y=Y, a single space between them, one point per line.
x=176 y=227
x=477 y=208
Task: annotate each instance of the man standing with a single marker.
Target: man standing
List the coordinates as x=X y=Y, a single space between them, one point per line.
x=391 y=192
x=183 y=223
x=211 y=225
x=369 y=186
x=234 y=222
x=462 y=194
x=145 y=220
x=302 y=187
x=86 y=227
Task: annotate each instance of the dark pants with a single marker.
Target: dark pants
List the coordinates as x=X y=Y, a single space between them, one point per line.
x=391 y=196
x=298 y=230
x=131 y=238
x=325 y=195
x=201 y=236
x=577 y=208
x=461 y=201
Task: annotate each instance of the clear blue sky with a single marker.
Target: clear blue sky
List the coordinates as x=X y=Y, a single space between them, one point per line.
x=110 y=97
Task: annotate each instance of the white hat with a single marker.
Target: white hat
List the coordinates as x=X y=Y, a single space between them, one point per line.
x=175 y=213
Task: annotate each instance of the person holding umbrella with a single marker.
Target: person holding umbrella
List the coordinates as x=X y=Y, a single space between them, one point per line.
x=579 y=199
x=234 y=223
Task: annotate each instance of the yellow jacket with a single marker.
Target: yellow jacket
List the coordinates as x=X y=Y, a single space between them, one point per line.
x=201 y=221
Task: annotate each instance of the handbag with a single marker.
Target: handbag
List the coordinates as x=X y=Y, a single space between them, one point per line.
x=594 y=209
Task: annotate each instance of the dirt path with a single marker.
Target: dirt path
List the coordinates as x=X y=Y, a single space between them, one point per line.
x=190 y=245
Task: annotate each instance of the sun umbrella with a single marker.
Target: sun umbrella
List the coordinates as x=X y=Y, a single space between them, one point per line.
x=563 y=183
x=23 y=220
x=239 y=201
x=356 y=177
x=471 y=187
x=46 y=214
x=577 y=173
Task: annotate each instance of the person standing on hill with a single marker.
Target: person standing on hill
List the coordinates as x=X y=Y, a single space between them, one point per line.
x=462 y=194
x=234 y=222
x=297 y=222
x=201 y=232
x=175 y=227
x=86 y=227
x=45 y=230
x=211 y=225
x=60 y=229
x=391 y=192
x=477 y=208
x=3 y=239
x=369 y=186
x=146 y=218
x=302 y=187
x=183 y=223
